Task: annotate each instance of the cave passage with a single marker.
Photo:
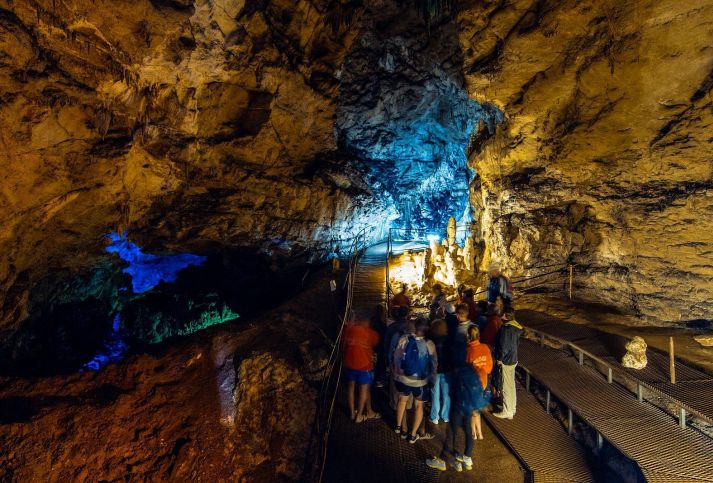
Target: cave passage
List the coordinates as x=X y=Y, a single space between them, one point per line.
x=404 y=112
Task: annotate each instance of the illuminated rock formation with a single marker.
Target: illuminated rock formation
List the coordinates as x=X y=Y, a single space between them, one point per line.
x=635 y=357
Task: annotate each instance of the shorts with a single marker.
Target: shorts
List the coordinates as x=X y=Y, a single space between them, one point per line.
x=360 y=377
x=418 y=392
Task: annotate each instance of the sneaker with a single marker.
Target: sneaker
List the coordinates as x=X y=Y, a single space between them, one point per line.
x=426 y=436
x=445 y=421
x=458 y=466
x=434 y=421
x=397 y=430
x=436 y=463
x=502 y=415
x=404 y=434
x=459 y=458
x=413 y=438
x=468 y=463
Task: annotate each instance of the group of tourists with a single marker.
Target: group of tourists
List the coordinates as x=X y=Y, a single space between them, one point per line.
x=459 y=359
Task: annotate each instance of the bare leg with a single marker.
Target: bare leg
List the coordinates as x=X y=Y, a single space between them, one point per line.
x=417 y=415
x=363 y=396
x=400 y=410
x=478 y=434
x=350 y=399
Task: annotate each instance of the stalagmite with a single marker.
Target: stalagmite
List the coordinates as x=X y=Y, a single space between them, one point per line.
x=635 y=357
x=451 y=230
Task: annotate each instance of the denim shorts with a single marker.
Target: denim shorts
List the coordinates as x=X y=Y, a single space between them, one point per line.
x=418 y=392
x=360 y=377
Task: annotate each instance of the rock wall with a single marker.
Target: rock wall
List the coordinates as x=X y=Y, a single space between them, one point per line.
x=194 y=125
x=403 y=110
x=604 y=159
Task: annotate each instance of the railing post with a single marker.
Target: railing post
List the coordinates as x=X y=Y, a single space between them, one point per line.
x=527 y=381
x=671 y=361
x=570 y=421
x=542 y=340
x=682 y=418
x=547 y=404
x=570 y=282
x=610 y=377
x=581 y=357
x=639 y=393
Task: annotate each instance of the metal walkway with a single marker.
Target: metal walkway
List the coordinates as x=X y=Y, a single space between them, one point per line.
x=541 y=444
x=693 y=390
x=647 y=435
x=372 y=452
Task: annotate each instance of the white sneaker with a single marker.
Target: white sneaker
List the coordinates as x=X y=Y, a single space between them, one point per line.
x=458 y=466
x=434 y=421
x=502 y=415
x=467 y=463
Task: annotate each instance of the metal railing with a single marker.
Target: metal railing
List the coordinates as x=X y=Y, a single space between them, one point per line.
x=610 y=370
x=317 y=453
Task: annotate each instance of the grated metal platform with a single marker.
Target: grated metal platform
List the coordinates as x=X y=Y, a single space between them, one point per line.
x=693 y=389
x=371 y=451
x=541 y=443
x=647 y=435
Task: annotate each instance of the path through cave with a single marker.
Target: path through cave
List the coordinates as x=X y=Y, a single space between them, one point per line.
x=177 y=174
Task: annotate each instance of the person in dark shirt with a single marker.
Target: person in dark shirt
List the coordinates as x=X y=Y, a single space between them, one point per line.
x=505 y=355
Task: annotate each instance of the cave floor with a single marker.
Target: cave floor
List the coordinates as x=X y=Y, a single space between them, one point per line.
x=371 y=451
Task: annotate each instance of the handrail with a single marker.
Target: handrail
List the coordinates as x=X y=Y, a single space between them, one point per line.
x=611 y=370
x=327 y=394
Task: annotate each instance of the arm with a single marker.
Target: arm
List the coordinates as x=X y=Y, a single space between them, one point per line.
x=488 y=367
x=434 y=358
x=398 y=355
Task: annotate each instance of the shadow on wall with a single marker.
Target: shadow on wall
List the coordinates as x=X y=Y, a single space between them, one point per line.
x=403 y=110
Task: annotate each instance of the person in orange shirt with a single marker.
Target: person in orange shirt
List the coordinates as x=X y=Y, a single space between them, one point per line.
x=358 y=344
x=481 y=359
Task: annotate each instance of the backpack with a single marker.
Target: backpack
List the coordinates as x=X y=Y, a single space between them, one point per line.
x=469 y=393
x=412 y=363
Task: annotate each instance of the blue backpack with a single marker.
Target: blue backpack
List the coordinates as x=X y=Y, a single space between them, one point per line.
x=412 y=363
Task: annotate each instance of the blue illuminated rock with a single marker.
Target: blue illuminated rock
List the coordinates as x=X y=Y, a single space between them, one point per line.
x=149 y=270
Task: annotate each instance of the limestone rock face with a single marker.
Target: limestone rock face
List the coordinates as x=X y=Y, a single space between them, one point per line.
x=604 y=159
x=403 y=110
x=191 y=124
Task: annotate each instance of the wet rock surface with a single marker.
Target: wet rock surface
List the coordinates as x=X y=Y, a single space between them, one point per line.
x=160 y=415
x=604 y=159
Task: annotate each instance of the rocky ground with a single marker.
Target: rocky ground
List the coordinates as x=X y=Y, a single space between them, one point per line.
x=232 y=403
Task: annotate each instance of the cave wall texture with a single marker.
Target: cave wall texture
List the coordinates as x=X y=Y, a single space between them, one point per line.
x=206 y=125
x=201 y=125
x=605 y=158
